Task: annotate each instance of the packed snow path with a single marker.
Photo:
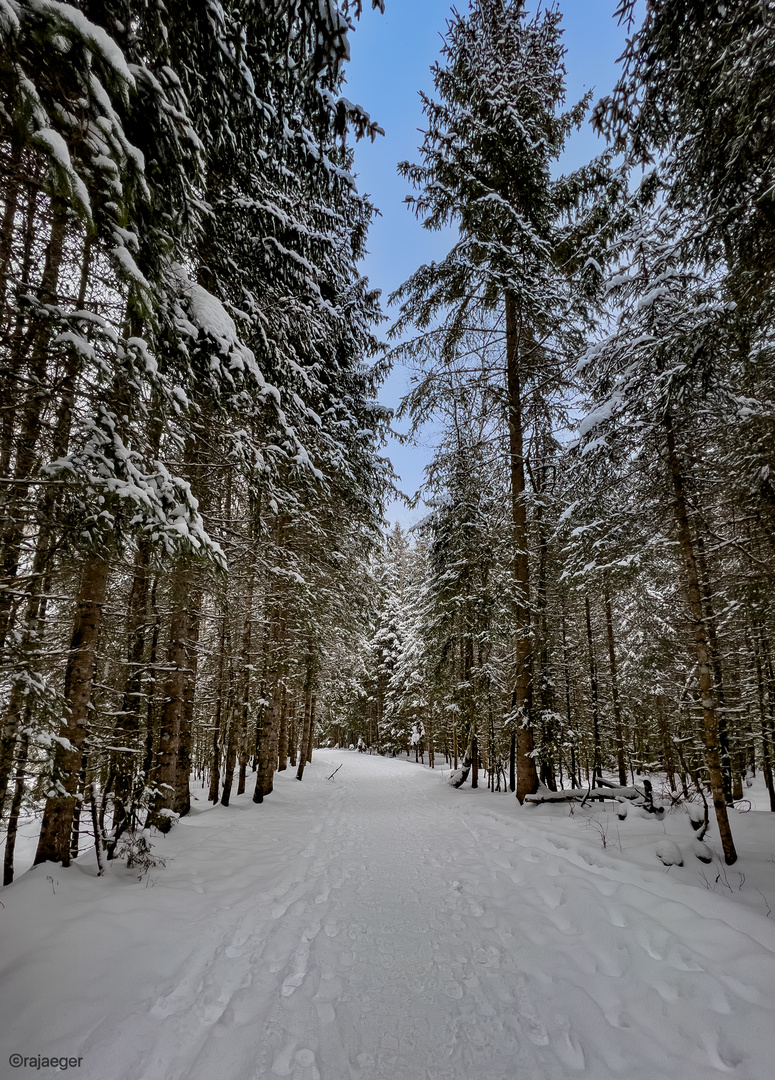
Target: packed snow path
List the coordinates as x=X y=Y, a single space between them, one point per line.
x=382 y=926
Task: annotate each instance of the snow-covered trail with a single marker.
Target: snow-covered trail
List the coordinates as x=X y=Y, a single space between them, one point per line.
x=381 y=926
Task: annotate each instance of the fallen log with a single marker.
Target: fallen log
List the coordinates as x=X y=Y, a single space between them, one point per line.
x=609 y=791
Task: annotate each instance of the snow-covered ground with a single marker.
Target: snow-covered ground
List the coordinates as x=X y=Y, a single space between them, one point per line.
x=383 y=926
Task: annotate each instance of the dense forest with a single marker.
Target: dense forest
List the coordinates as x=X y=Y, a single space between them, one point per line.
x=196 y=579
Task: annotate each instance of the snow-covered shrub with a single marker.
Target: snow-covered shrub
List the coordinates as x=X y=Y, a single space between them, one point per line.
x=138 y=851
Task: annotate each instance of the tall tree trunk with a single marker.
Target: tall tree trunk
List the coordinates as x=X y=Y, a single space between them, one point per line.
x=467 y=663
x=715 y=663
x=247 y=671
x=288 y=709
x=182 y=801
x=546 y=710
x=311 y=732
x=16 y=804
x=527 y=776
x=292 y=735
x=618 y=731
x=11 y=199
x=270 y=727
x=568 y=710
x=664 y=733
x=765 y=717
x=239 y=727
x=307 y=725
x=467 y=760
x=150 y=729
x=13 y=517
x=125 y=765
x=596 y=761
x=44 y=545
x=694 y=597
x=233 y=729
x=17 y=337
x=58 y=814
x=219 y=720
x=165 y=768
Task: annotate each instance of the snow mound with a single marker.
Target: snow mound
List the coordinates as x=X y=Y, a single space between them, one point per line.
x=670 y=853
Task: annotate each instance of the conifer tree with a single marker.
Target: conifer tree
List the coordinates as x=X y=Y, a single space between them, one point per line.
x=494 y=133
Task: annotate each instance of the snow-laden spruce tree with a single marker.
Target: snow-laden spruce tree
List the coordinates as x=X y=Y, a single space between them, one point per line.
x=495 y=130
x=86 y=245
x=697 y=93
x=665 y=387
x=465 y=599
x=696 y=99
x=180 y=233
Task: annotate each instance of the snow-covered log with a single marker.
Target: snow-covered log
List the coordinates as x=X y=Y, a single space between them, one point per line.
x=544 y=794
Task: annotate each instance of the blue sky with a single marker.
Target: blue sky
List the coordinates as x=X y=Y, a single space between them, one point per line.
x=391 y=56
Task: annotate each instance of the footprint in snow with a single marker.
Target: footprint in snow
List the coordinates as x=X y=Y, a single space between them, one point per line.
x=615 y=916
x=300 y=962
x=567 y=1047
x=298 y=1064
x=296 y=907
x=305 y=1067
x=552 y=897
x=529 y=1019
x=487 y=959
x=326 y=1012
x=237 y=946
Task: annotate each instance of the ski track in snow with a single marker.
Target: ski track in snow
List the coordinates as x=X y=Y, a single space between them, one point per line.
x=382 y=926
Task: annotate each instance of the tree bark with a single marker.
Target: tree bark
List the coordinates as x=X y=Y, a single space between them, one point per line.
x=270 y=728
x=694 y=597
x=182 y=799
x=13 y=516
x=311 y=733
x=11 y=199
x=282 y=742
x=219 y=720
x=766 y=711
x=125 y=765
x=594 y=697
x=16 y=804
x=58 y=815
x=165 y=769
x=527 y=776
x=307 y=726
x=238 y=730
x=232 y=741
x=715 y=663
x=617 y=711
